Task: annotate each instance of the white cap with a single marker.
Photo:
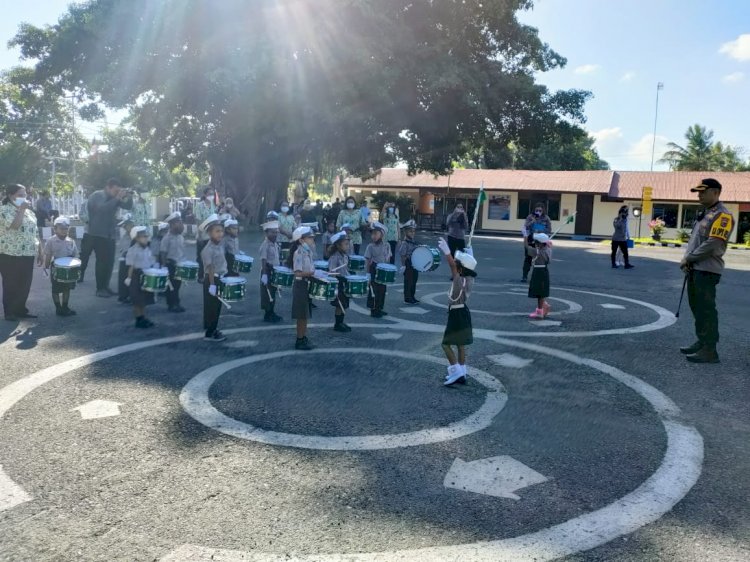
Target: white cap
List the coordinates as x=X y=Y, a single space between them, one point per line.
x=339 y=236
x=138 y=230
x=210 y=221
x=127 y=217
x=270 y=225
x=541 y=237
x=346 y=226
x=272 y=215
x=409 y=224
x=162 y=226
x=230 y=223
x=467 y=260
x=301 y=232
x=225 y=217
x=62 y=221
x=380 y=226
x=174 y=217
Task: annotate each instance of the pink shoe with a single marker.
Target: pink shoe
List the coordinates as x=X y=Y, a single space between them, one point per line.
x=538 y=314
x=546 y=308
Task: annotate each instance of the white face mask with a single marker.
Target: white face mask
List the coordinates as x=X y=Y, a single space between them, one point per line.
x=18 y=201
x=350 y=205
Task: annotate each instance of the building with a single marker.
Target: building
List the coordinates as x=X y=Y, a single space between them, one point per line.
x=594 y=196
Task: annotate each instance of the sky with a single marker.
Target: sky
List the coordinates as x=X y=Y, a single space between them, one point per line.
x=618 y=50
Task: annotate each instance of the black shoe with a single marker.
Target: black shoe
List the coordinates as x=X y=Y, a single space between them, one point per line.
x=384 y=313
x=629 y=266
x=218 y=336
x=267 y=318
x=103 y=294
x=69 y=311
x=339 y=327
x=177 y=309
x=303 y=344
x=615 y=266
x=275 y=318
x=142 y=323
x=689 y=350
x=59 y=311
x=11 y=318
x=346 y=327
x=376 y=314
x=705 y=355
x=411 y=301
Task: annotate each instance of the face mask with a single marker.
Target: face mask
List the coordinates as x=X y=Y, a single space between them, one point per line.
x=18 y=201
x=538 y=213
x=391 y=210
x=350 y=205
x=305 y=245
x=229 y=205
x=285 y=209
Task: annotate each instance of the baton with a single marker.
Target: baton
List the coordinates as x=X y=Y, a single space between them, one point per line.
x=682 y=294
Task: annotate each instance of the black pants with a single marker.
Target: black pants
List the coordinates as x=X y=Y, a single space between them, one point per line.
x=123 y=291
x=173 y=294
x=377 y=301
x=456 y=244
x=411 y=276
x=211 y=309
x=199 y=245
x=392 y=244
x=87 y=246
x=17 y=273
x=104 y=248
x=623 y=246
x=701 y=289
x=356 y=248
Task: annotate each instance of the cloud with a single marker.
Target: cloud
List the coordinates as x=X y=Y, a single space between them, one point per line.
x=734 y=77
x=607 y=135
x=739 y=49
x=628 y=76
x=587 y=69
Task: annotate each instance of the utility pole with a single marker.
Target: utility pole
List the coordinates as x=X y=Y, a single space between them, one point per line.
x=659 y=88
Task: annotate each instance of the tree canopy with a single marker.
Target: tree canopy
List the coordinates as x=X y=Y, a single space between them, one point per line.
x=255 y=88
x=701 y=153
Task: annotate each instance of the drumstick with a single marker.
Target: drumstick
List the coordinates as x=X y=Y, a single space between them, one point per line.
x=341 y=306
x=225 y=303
x=270 y=298
x=337 y=268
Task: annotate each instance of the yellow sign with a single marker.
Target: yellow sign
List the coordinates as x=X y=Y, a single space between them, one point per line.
x=647 y=193
x=648 y=208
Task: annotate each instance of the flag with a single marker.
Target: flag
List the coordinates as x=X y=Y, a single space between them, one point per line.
x=570 y=219
x=482 y=197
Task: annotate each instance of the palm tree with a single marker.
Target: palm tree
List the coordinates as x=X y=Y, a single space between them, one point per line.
x=701 y=153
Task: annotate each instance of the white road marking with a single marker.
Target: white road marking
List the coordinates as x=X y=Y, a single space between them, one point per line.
x=239 y=344
x=610 y=306
x=496 y=476
x=413 y=310
x=11 y=494
x=98 y=409
x=546 y=323
x=388 y=336
x=573 y=307
x=195 y=401
x=510 y=360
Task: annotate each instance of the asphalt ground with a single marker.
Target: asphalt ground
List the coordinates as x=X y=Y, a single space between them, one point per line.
x=220 y=452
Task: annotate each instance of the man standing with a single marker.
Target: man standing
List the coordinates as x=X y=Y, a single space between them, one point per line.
x=102 y=209
x=620 y=237
x=703 y=264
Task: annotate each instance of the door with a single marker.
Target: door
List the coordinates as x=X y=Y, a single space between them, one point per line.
x=585 y=216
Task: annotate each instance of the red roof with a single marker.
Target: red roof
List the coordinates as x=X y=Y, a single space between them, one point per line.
x=667 y=186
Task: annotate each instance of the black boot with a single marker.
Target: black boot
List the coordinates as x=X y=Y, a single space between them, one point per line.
x=707 y=354
x=340 y=326
x=267 y=317
x=59 y=310
x=303 y=344
x=689 y=350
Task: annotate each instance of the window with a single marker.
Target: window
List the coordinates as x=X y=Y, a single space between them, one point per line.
x=666 y=212
x=526 y=200
x=689 y=213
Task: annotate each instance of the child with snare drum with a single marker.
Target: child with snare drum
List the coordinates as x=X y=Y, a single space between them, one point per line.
x=377 y=251
x=215 y=267
x=301 y=261
x=172 y=252
x=269 y=258
x=138 y=258
x=539 y=284
x=60 y=246
x=338 y=266
x=458 y=330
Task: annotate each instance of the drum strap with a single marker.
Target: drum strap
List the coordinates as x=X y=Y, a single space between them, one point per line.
x=458 y=297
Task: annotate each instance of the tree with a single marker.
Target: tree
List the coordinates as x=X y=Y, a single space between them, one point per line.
x=254 y=88
x=701 y=153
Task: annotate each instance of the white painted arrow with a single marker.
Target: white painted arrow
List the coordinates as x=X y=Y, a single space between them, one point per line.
x=510 y=360
x=98 y=409
x=494 y=476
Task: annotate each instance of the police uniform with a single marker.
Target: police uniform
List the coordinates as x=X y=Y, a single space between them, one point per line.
x=303 y=261
x=705 y=259
x=212 y=255
x=172 y=251
x=269 y=254
x=377 y=252
x=411 y=275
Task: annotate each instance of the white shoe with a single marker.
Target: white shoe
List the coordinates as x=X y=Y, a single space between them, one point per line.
x=463 y=369
x=455 y=375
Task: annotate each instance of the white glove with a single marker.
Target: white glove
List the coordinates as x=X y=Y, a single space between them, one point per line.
x=127 y=281
x=443 y=245
x=212 y=290
x=264 y=279
x=469 y=251
x=402 y=269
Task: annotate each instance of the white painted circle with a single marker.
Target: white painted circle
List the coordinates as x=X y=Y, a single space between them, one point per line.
x=573 y=307
x=195 y=401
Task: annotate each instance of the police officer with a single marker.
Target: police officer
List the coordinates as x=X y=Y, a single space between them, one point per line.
x=703 y=263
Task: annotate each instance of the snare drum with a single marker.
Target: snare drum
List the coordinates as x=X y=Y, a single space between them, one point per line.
x=186 y=271
x=424 y=258
x=322 y=289
x=321 y=264
x=231 y=289
x=355 y=286
x=243 y=263
x=154 y=280
x=356 y=263
x=385 y=273
x=282 y=276
x=66 y=270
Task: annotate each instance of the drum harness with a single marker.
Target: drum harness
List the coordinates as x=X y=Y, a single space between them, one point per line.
x=451 y=300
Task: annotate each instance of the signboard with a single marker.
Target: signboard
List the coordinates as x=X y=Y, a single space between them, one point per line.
x=499 y=208
x=648 y=208
x=648 y=193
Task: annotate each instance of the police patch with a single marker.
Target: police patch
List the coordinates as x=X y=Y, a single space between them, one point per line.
x=722 y=227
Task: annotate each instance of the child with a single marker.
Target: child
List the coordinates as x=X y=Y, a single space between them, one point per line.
x=125 y=242
x=161 y=230
x=391 y=223
x=60 y=246
x=215 y=267
x=377 y=251
x=269 y=258
x=138 y=258
x=231 y=244
x=327 y=238
x=172 y=252
x=411 y=275
x=458 y=331
x=539 y=285
x=301 y=261
x=338 y=266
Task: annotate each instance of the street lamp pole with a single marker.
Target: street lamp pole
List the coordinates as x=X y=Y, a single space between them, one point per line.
x=659 y=87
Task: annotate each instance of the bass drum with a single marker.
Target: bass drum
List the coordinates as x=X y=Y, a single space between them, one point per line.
x=424 y=258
